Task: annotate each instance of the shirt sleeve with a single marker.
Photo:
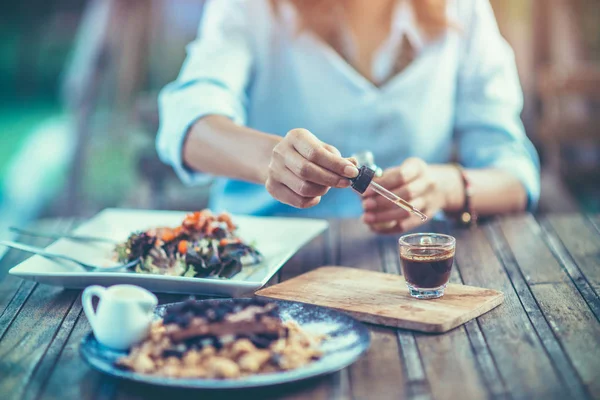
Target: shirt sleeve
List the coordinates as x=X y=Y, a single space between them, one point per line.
x=212 y=81
x=488 y=125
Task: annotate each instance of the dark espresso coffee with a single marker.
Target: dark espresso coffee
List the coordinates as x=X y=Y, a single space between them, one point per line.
x=427 y=268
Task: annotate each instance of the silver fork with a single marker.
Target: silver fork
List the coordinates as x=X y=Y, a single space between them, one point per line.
x=54 y=256
x=69 y=236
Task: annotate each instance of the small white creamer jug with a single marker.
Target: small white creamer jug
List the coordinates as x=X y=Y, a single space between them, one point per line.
x=123 y=316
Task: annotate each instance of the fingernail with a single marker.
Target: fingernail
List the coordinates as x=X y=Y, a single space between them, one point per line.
x=369 y=218
x=350 y=171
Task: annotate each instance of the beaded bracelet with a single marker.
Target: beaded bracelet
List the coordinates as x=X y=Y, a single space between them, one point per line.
x=467 y=216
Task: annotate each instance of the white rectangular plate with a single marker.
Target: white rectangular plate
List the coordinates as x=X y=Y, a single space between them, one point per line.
x=277 y=239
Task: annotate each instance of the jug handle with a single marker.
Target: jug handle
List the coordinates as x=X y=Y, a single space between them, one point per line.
x=86 y=300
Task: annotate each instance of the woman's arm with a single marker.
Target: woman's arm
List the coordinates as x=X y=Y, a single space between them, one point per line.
x=208 y=98
x=494 y=191
x=490 y=137
x=203 y=112
x=499 y=160
x=297 y=169
x=218 y=146
x=432 y=188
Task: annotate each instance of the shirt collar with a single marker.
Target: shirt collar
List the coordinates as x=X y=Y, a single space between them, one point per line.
x=404 y=22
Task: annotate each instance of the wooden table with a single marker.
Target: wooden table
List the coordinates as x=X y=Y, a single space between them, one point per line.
x=543 y=342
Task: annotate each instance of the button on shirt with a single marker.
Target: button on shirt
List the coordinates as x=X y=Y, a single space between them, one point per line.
x=461 y=92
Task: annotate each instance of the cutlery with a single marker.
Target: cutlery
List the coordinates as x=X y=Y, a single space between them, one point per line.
x=54 y=256
x=51 y=235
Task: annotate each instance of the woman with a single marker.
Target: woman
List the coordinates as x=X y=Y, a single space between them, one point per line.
x=274 y=92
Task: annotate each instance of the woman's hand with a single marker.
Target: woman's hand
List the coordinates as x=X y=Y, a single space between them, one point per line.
x=302 y=169
x=426 y=187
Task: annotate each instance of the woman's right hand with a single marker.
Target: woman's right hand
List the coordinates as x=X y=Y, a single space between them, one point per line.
x=302 y=169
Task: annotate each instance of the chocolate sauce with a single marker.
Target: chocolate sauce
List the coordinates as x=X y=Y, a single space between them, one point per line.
x=427 y=268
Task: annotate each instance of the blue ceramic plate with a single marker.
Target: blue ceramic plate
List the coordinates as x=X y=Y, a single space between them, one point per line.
x=348 y=340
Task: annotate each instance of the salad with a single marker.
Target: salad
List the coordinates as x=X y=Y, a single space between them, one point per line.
x=204 y=245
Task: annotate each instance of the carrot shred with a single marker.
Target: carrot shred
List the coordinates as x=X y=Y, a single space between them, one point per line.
x=167 y=235
x=182 y=247
x=190 y=220
x=225 y=242
x=224 y=217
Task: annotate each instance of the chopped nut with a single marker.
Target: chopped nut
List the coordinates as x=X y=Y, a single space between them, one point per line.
x=222 y=367
x=192 y=358
x=173 y=361
x=253 y=361
x=143 y=364
x=279 y=345
x=193 y=372
x=208 y=351
x=171 y=371
x=242 y=346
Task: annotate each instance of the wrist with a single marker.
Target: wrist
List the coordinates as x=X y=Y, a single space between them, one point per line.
x=266 y=152
x=450 y=184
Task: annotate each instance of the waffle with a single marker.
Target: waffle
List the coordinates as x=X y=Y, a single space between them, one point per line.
x=222 y=340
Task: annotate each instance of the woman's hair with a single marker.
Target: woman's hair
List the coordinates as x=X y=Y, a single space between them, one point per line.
x=322 y=16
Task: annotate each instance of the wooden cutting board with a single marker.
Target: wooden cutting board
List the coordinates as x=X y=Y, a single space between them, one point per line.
x=383 y=299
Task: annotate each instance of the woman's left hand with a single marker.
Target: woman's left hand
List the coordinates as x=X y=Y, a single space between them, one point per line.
x=416 y=182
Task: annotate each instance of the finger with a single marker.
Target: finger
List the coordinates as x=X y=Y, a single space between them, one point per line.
x=285 y=195
x=385 y=216
x=414 y=189
x=308 y=171
x=391 y=176
x=313 y=150
x=408 y=192
x=380 y=203
x=405 y=173
x=331 y=149
x=297 y=185
x=384 y=225
x=377 y=203
x=369 y=193
x=394 y=213
x=402 y=226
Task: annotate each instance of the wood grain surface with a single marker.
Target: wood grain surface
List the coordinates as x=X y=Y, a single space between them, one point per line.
x=383 y=299
x=542 y=342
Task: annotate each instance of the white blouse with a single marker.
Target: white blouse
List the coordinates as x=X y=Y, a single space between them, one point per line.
x=461 y=92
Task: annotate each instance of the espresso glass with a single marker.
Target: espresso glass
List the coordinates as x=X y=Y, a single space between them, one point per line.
x=426 y=260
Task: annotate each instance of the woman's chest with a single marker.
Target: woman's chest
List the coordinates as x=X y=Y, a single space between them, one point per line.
x=307 y=85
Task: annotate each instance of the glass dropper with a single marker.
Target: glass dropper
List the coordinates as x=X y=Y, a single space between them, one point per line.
x=399 y=201
x=364 y=179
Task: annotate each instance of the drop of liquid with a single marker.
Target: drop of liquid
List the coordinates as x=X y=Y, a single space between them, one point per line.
x=426 y=240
